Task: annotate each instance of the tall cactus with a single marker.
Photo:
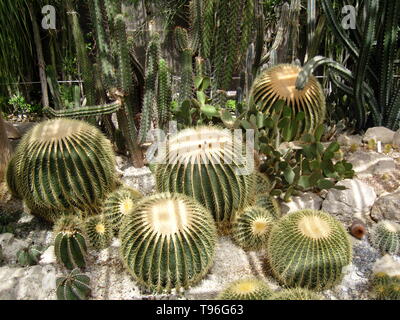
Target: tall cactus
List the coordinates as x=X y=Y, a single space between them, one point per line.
x=164 y=97
x=186 y=84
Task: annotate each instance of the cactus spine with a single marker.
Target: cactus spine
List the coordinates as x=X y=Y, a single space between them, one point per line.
x=167 y=242
x=70 y=244
x=385 y=236
x=386 y=287
x=246 y=289
x=296 y=294
x=99 y=231
x=309 y=249
x=252 y=227
x=75 y=286
x=202 y=162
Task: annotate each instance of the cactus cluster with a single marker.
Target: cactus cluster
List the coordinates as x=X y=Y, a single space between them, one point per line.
x=29 y=256
x=308 y=249
x=168 y=241
x=246 y=289
x=385 y=287
x=385 y=236
x=206 y=163
x=98 y=231
x=60 y=165
x=296 y=294
x=74 y=286
x=252 y=227
x=70 y=245
x=119 y=203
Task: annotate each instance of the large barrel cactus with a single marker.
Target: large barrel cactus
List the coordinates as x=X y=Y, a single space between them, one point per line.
x=168 y=241
x=63 y=164
x=309 y=249
x=279 y=83
x=296 y=294
x=207 y=163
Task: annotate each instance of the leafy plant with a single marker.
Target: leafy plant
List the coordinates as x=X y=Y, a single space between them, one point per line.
x=29 y=256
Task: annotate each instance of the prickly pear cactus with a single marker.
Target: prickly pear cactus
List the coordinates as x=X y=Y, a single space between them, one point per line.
x=99 y=231
x=75 y=286
x=296 y=294
x=309 y=249
x=168 y=241
x=246 y=289
x=207 y=163
x=70 y=245
x=385 y=236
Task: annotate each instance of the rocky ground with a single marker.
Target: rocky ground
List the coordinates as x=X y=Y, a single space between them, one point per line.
x=372 y=196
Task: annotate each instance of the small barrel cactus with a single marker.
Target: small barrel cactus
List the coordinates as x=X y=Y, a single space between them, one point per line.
x=29 y=256
x=385 y=236
x=246 y=289
x=119 y=203
x=63 y=164
x=207 y=163
x=309 y=248
x=99 y=231
x=386 y=287
x=252 y=227
x=70 y=244
x=269 y=203
x=168 y=241
x=262 y=183
x=75 y=286
x=296 y=294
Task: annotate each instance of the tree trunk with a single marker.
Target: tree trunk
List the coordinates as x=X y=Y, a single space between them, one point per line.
x=5 y=149
x=39 y=51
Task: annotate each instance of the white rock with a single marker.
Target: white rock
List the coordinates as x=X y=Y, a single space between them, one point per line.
x=307 y=200
x=396 y=139
x=346 y=140
x=382 y=134
x=139 y=178
x=367 y=163
x=25 y=218
x=387 y=264
x=48 y=257
x=387 y=207
x=354 y=202
x=11 y=246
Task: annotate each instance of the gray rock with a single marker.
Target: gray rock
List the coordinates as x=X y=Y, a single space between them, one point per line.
x=348 y=140
x=354 y=202
x=48 y=257
x=387 y=207
x=396 y=139
x=307 y=200
x=139 y=178
x=367 y=163
x=11 y=246
x=387 y=264
x=382 y=134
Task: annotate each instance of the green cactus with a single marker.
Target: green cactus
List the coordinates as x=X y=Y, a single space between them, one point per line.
x=252 y=228
x=385 y=236
x=278 y=83
x=75 y=286
x=118 y=204
x=181 y=39
x=269 y=203
x=296 y=294
x=168 y=241
x=208 y=28
x=246 y=289
x=29 y=256
x=385 y=287
x=202 y=162
x=262 y=183
x=69 y=242
x=80 y=112
x=309 y=249
x=164 y=97
x=62 y=164
x=186 y=85
x=99 y=231
x=10 y=179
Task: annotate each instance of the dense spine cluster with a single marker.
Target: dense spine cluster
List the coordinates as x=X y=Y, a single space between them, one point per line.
x=246 y=289
x=385 y=236
x=296 y=294
x=99 y=231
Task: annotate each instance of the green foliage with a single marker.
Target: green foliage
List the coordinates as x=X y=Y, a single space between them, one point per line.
x=29 y=256
x=252 y=227
x=296 y=294
x=181 y=233
x=118 y=204
x=69 y=242
x=385 y=287
x=309 y=249
x=63 y=164
x=75 y=286
x=246 y=289
x=219 y=187
x=99 y=231
x=385 y=236
x=21 y=107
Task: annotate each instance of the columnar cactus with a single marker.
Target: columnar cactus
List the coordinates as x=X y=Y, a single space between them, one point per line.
x=63 y=164
x=246 y=289
x=385 y=236
x=168 y=241
x=75 y=286
x=269 y=203
x=99 y=231
x=207 y=164
x=279 y=83
x=252 y=227
x=386 y=287
x=29 y=256
x=296 y=294
x=70 y=245
x=309 y=249
x=118 y=204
